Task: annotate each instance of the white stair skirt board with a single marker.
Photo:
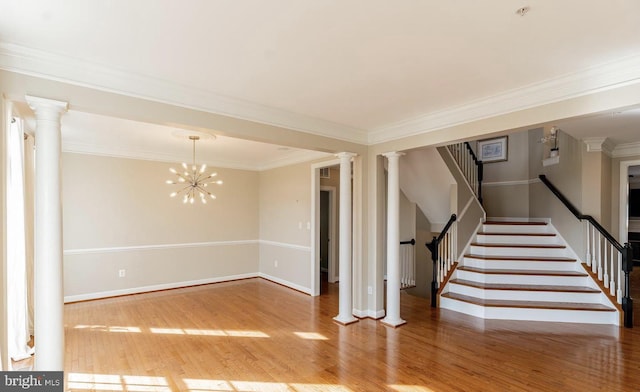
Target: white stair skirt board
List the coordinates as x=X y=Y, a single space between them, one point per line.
x=524 y=314
x=524 y=271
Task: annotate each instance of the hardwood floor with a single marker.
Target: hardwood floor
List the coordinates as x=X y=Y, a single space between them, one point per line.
x=254 y=335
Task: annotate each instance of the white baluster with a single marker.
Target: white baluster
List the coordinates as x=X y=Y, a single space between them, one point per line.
x=612 y=283
x=620 y=285
x=440 y=262
x=599 y=256
x=588 y=256
x=605 y=263
x=455 y=241
x=594 y=249
x=413 y=264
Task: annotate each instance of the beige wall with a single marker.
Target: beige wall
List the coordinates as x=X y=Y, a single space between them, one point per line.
x=424 y=264
x=505 y=190
x=117 y=214
x=567 y=177
x=285 y=220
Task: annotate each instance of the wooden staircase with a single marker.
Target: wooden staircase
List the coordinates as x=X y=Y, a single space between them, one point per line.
x=524 y=271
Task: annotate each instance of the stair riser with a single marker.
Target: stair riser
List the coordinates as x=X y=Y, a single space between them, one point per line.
x=504 y=251
x=536 y=229
x=520 y=265
x=515 y=239
x=521 y=295
x=523 y=279
x=565 y=316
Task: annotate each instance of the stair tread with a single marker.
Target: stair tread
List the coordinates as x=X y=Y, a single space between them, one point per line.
x=536 y=246
x=529 y=304
x=520 y=258
x=521 y=272
x=519 y=234
x=525 y=287
x=518 y=223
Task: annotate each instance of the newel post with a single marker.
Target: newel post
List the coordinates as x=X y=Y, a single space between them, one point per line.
x=627 y=301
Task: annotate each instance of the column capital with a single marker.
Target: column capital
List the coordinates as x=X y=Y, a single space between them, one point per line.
x=392 y=154
x=38 y=103
x=345 y=155
x=599 y=144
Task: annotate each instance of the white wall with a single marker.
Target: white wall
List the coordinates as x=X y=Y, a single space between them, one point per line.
x=117 y=214
x=4 y=125
x=426 y=180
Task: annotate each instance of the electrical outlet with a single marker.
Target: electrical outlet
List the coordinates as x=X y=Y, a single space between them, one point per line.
x=370 y=290
x=122 y=273
x=275 y=263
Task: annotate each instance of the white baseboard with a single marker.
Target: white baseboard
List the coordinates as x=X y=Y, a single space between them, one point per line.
x=369 y=313
x=286 y=283
x=146 y=289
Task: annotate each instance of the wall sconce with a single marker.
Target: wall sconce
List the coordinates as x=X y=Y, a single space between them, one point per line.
x=551 y=139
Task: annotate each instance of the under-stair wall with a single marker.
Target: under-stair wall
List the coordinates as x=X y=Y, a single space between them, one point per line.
x=469 y=210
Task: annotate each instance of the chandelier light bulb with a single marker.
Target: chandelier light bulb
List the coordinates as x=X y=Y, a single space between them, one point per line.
x=193 y=180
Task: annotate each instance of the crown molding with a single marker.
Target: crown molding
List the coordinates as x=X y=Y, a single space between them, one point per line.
x=38 y=63
x=627 y=150
x=116 y=152
x=42 y=64
x=599 y=144
x=602 y=77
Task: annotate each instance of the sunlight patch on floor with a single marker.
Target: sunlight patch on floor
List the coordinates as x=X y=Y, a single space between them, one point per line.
x=112 y=382
x=410 y=388
x=108 y=328
x=311 y=335
x=199 y=385
x=210 y=332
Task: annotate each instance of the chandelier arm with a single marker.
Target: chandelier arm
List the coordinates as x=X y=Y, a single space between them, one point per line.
x=181 y=176
x=183 y=189
x=203 y=191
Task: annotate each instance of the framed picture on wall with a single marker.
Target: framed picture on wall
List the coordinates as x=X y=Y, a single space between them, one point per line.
x=493 y=150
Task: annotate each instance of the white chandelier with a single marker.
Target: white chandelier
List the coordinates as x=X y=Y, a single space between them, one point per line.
x=193 y=181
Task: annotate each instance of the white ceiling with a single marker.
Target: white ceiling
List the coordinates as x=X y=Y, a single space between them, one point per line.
x=109 y=136
x=357 y=70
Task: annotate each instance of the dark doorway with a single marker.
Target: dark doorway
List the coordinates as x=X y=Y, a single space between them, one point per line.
x=325 y=253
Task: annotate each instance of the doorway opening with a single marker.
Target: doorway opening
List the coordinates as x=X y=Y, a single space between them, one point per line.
x=328 y=238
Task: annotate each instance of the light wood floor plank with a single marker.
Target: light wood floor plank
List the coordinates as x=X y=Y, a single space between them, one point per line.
x=256 y=335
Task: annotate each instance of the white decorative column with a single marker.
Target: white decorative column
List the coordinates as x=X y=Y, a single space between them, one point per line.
x=345 y=315
x=49 y=295
x=392 y=317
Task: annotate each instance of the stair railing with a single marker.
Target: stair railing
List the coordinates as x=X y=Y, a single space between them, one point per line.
x=444 y=249
x=407 y=264
x=471 y=167
x=608 y=259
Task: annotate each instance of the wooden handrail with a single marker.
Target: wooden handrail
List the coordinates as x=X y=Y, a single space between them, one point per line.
x=433 y=248
x=579 y=215
x=626 y=251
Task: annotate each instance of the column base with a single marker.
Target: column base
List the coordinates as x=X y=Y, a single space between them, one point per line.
x=345 y=320
x=393 y=323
